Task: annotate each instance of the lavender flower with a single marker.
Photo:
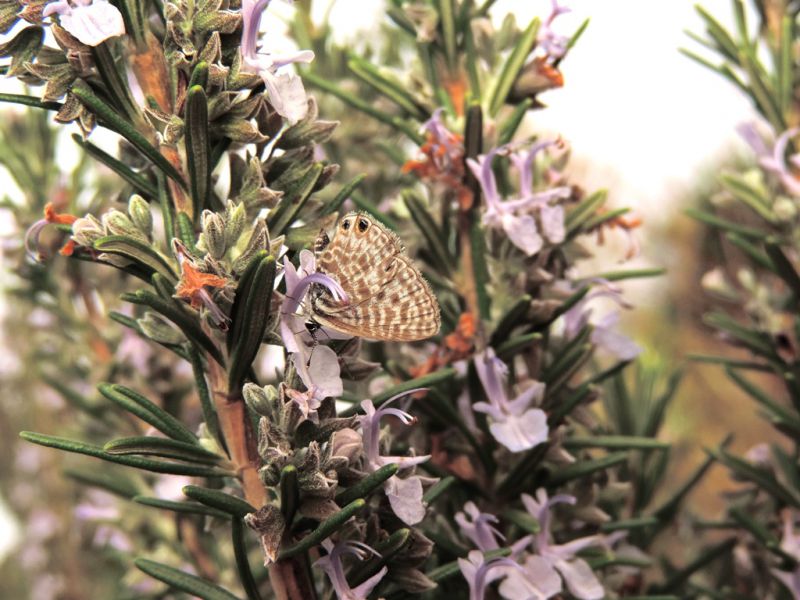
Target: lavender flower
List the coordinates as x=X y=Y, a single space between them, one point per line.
x=553 y=44
x=405 y=495
x=604 y=334
x=514 y=424
x=538 y=576
x=480 y=572
x=317 y=365
x=790 y=543
x=286 y=92
x=479 y=527
x=787 y=173
x=92 y=22
x=332 y=565
x=516 y=216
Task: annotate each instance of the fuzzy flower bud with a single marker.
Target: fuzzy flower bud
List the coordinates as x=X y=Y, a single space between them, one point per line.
x=214 y=234
x=139 y=212
x=235 y=219
x=785 y=209
x=261 y=400
x=86 y=230
x=118 y=223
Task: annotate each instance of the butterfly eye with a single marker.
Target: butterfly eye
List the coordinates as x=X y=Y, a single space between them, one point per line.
x=346 y=224
x=362 y=225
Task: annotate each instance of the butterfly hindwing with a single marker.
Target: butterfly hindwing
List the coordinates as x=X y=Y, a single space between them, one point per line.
x=388 y=297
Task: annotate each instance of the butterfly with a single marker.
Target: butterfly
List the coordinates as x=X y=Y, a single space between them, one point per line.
x=388 y=299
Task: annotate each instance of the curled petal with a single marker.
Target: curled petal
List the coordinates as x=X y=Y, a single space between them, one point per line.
x=405 y=498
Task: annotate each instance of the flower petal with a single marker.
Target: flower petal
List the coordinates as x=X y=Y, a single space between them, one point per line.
x=581 y=580
x=523 y=432
x=405 y=497
x=522 y=233
x=95 y=23
x=536 y=580
x=286 y=94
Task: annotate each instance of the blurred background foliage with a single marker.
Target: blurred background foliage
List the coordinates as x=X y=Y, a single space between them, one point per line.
x=58 y=343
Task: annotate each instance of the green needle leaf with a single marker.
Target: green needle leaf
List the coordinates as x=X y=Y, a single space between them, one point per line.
x=191 y=508
x=198 y=148
x=324 y=530
x=109 y=118
x=256 y=312
x=366 y=486
x=502 y=85
x=183 y=581
x=140 y=252
x=151 y=413
x=163 y=447
x=137 y=462
x=219 y=500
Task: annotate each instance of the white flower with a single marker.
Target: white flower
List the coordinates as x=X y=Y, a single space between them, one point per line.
x=92 y=22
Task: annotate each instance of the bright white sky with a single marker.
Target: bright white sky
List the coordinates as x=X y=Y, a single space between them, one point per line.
x=641 y=118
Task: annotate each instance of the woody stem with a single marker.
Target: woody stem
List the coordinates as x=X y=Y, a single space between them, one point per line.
x=289 y=578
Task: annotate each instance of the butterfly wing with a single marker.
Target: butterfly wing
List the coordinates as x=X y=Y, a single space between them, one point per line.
x=388 y=297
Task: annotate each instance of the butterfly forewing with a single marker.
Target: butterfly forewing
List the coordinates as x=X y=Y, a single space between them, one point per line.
x=388 y=297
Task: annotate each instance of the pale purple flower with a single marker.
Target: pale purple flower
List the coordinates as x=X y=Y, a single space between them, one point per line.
x=404 y=494
x=604 y=333
x=553 y=44
x=513 y=423
x=446 y=148
x=777 y=163
x=516 y=216
x=538 y=575
x=92 y=22
x=479 y=527
x=480 y=573
x=285 y=88
x=790 y=543
x=332 y=565
x=317 y=365
x=32 y=240
x=754 y=139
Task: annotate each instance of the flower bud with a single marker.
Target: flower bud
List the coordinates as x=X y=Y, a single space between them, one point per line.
x=139 y=212
x=785 y=209
x=118 y=223
x=235 y=216
x=214 y=234
x=159 y=330
x=259 y=240
x=260 y=400
x=86 y=230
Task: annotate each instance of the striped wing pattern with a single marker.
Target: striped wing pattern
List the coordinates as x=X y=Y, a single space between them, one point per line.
x=388 y=297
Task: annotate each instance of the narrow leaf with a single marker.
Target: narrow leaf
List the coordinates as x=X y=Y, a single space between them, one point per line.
x=138 y=182
x=365 y=487
x=242 y=562
x=163 y=447
x=502 y=85
x=198 y=147
x=109 y=117
x=151 y=413
x=324 y=530
x=191 y=508
x=219 y=500
x=140 y=252
x=180 y=580
x=136 y=462
x=256 y=310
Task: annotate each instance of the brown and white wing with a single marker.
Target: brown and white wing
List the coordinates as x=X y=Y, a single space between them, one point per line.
x=402 y=309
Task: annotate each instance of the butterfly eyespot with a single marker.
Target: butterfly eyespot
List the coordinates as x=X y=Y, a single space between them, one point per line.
x=362 y=225
x=346 y=224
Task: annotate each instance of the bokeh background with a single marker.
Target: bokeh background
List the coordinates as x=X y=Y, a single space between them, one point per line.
x=642 y=120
